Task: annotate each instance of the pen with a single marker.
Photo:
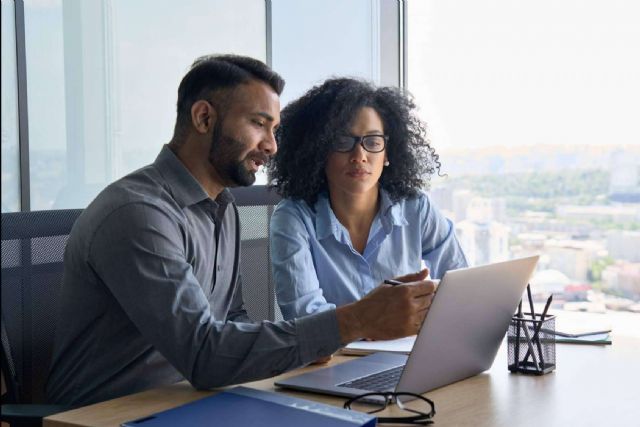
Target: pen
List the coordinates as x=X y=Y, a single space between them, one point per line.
x=531 y=351
x=397 y=282
x=520 y=309
x=533 y=313
x=518 y=325
x=536 y=331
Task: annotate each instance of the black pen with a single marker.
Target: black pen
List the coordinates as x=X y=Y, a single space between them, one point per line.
x=397 y=282
x=533 y=313
x=536 y=331
x=518 y=326
x=520 y=309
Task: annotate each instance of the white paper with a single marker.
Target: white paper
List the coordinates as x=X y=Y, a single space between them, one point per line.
x=402 y=345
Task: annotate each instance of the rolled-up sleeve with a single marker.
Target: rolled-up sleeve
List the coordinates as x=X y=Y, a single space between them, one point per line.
x=297 y=288
x=138 y=252
x=441 y=249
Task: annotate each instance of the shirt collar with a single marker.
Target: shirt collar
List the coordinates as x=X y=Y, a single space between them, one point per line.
x=184 y=188
x=327 y=223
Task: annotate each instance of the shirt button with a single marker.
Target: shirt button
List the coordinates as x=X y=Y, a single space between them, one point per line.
x=219 y=267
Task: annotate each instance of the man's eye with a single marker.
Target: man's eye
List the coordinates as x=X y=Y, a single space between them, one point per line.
x=258 y=123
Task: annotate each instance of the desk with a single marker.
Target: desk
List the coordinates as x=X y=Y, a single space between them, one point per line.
x=593 y=385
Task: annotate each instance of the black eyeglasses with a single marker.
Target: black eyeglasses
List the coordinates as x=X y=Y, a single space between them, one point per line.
x=372 y=403
x=371 y=143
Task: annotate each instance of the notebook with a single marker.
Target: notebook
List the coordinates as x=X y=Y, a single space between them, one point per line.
x=459 y=337
x=243 y=406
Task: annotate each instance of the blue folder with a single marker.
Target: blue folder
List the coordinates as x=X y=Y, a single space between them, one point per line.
x=242 y=406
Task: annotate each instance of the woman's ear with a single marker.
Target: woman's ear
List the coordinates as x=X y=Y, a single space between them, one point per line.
x=203 y=116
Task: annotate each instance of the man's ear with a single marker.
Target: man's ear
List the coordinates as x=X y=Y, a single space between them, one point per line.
x=203 y=116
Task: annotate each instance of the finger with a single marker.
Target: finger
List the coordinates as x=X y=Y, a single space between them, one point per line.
x=418 y=289
x=322 y=360
x=423 y=302
x=414 y=277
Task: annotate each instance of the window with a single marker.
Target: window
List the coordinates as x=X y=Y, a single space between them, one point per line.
x=532 y=108
x=10 y=150
x=103 y=78
x=314 y=41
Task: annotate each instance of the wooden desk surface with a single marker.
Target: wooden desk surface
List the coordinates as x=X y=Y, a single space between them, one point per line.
x=593 y=385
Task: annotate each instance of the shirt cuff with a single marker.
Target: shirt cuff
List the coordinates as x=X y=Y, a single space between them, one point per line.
x=318 y=335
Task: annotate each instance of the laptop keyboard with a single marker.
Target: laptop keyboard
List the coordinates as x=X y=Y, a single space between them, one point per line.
x=380 y=381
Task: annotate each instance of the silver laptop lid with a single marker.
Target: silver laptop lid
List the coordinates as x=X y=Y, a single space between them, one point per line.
x=465 y=325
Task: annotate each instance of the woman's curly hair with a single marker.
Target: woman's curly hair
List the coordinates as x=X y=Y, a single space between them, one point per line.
x=310 y=123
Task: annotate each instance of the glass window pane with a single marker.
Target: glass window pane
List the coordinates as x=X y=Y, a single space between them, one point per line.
x=10 y=148
x=103 y=79
x=532 y=108
x=315 y=40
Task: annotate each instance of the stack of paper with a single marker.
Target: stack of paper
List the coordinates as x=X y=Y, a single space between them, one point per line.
x=596 y=337
x=362 y=348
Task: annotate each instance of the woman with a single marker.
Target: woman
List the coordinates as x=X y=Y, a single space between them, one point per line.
x=351 y=162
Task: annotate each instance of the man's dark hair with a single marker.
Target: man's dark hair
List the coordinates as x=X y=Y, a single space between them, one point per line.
x=310 y=123
x=214 y=72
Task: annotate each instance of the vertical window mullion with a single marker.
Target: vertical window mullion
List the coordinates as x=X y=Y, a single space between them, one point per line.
x=268 y=35
x=402 y=32
x=23 y=116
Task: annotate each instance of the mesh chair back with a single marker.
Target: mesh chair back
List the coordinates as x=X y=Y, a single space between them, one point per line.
x=33 y=246
x=255 y=206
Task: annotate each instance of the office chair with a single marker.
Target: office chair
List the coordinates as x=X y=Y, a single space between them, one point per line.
x=255 y=206
x=33 y=245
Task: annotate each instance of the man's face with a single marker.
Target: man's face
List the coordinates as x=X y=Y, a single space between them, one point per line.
x=242 y=139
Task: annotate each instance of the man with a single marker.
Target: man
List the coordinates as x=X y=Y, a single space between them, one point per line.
x=151 y=293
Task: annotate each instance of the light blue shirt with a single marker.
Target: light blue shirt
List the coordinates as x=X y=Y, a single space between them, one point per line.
x=316 y=268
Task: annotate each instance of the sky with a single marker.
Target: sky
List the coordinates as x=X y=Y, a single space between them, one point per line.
x=512 y=73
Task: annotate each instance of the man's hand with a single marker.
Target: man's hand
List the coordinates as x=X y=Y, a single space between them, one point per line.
x=322 y=360
x=414 y=277
x=388 y=312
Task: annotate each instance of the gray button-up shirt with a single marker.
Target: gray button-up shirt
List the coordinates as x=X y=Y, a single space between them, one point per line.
x=151 y=295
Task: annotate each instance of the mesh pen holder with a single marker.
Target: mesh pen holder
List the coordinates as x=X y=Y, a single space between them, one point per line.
x=531 y=344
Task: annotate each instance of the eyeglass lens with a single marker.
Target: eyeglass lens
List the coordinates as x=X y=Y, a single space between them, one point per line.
x=370 y=405
x=371 y=143
x=408 y=405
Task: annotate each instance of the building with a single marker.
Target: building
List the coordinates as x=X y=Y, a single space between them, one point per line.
x=624 y=245
x=550 y=281
x=624 y=278
x=460 y=202
x=623 y=214
x=624 y=182
x=573 y=257
x=483 y=243
x=442 y=196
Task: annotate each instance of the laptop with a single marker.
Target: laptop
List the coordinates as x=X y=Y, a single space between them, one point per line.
x=459 y=337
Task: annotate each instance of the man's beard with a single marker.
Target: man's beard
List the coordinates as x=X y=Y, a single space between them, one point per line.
x=224 y=155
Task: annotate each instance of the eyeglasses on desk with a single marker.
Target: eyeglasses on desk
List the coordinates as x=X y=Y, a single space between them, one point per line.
x=372 y=403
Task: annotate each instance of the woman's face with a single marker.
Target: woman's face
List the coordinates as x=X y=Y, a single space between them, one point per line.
x=357 y=171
